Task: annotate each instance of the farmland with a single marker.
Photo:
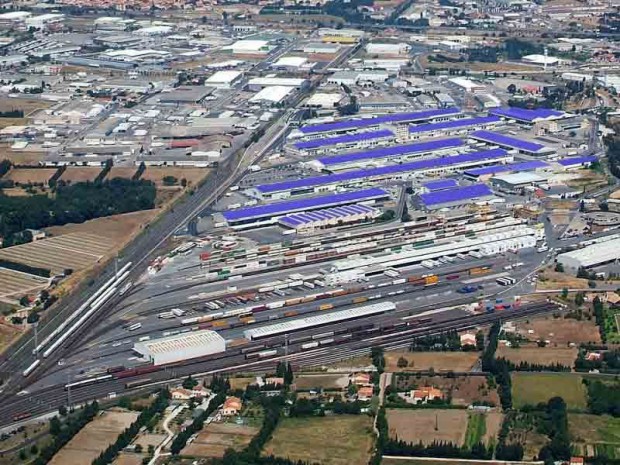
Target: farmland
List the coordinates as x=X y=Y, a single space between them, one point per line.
x=14 y=284
x=428 y=425
x=534 y=388
x=560 y=331
x=94 y=438
x=439 y=361
x=476 y=429
x=81 y=174
x=215 y=438
x=8 y=333
x=539 y=355
x=426 y=461
x=336 y=440
x=463 y=390
x=595 y=435
x=30 y=175
x=157 y=174
x=329 y=382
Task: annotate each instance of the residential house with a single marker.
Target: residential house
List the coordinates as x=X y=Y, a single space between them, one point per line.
x=360 y=379
x=185 y=394
x=425 y=394
x=232 y=406
x=365 y=393
x=468 y=339
x=594 y=356
x=576 y=461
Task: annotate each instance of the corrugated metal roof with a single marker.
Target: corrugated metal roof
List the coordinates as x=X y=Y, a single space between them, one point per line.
x=319 y=320
x=386 y=119
x=459 y=123
x=507 y=141
x=504 y=168
x=395 y=151
x=345 y=139
x=328 y=213
x=465 y=158
x=282 y=208
x=440 y=185
x=458 y=193
x=182 y=342
x=525 y=114
x=577 y=160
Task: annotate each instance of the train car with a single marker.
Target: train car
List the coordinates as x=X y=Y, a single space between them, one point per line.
x=359 y=300
x=21 y=416
x=115 y=369
x=431 y=280
x=309 y=345
x=87 y=382
x=136 y=383
x=326 y=307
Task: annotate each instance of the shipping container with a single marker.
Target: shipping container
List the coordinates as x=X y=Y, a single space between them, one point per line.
x=326 y=307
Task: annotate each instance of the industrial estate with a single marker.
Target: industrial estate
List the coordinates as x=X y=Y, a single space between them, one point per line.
x=350 y=232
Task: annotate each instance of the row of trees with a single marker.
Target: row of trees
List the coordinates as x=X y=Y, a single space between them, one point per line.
x=527 y=366
x=438 y=449
x=62 y=434
x=554 y=423
x=603 y=398
x=448 y=341
x=498 y=368
x=145 y=418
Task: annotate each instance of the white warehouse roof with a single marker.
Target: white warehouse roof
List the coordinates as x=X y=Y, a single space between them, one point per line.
x=181 y=347
x=223 y=77
x=276 y=81
x=293 y=62
x=541 y=59
x=591 y=255
x=272 y=94
x=249 y=45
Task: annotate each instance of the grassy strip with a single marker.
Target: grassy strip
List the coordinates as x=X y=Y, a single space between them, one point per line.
x=476 y=428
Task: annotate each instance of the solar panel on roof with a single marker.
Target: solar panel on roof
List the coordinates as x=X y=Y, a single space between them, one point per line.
x=325 y=214
x=386 y=119
x=441 y=184
x=503 y=168
x=474 y=157
x=456 y=194
x=577 y=160
x=459 y=123
x=525 y=114
x=397 y=150
x=501 y=139
x=303 y=204
x=345 y=139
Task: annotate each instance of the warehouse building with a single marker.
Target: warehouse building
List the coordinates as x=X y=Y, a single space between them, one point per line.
x=259 y=83
x=525 y=116
x=439 y=185
x=273 y=95
x=269 y=214
x=328 y=217
x=487 y=172
x=456 y=196
x=512 y=143
x=592 y=255
x=515 y=182
x=458 y=126
x=181 y=347
x=347 y=141
x=224 y=79
x=577 y=162
x=397 y=153
x=394 y=118
x=404 y=171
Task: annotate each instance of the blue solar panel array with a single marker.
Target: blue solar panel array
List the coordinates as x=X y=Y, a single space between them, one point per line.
x=393 y=151
x=345 y=139
x=283 y=208
x=507 y=141
x=503 y=168
x=440 y=185
x=300 y=219
x=306 y=183
x=523 y=114
x=475 y=191
x=577 y=160
x=459 y=123
x=386 y=119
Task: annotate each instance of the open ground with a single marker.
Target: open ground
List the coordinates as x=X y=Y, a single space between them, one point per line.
x=464 y=390
x=542 y=355
x=15 y=284
x=94 y=438
x=534 y=388
x=439 y=361
x=321 y=381
x=428 y=425
x=560 y=331
x=335 y=440
x=595 y=434
x=215 y=438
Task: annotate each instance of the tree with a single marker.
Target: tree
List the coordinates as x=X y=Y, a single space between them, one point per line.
x=138 y=448
x=55 y=426
x=189 y=383
x=564 y=293
x=288 y=375
x=402 y=362
x=24 y=301
x=579 y=299
x=22 y=455
x=559 y=267
x=512 y=89
x=34 y=450
x=151 y=449
x=62 y=411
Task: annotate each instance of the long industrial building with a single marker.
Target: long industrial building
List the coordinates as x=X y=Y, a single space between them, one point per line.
x=181 y=347
x=385 y=154
x=269 y=214
x=511 y=143
x=434 y=166
x=456 y=196
x=488 y=171
x=342 y=142
x=596 y=254
x=523 y=115
x=317 y=219
x=457 y=126
x=320 y=320
x=577 y=162
x=393 y=118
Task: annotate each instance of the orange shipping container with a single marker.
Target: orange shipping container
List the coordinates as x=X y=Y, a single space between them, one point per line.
x=431 y=280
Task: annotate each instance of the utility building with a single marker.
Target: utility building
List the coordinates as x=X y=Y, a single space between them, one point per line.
x=592 y=255
x=181 y=347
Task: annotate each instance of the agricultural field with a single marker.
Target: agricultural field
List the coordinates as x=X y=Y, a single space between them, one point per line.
x=94 y=438
x=428 y=425
x=439 y=361
x=464 y=390
x=540 y=355
x=6 y=122
x=240 y=383
x=30 y=175
x=80 y=174
x=32 y=433
x=157 y=174
x=14 y=284
x=532 y=388
x=595 y=435
x=559 y=331
x=305 y=382
x=426 y=461
x=126 y=172
x=8 y=334
x=335 y=440
x=215 y=438
x=75 y=251
x=27 y=105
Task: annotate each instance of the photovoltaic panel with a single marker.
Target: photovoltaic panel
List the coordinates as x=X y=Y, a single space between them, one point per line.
x=307 y=183
x=506 y=168
x=456 y=194
x=506 y=141
x=524 y=114
x=282 y=208
x=345 y=139
x=440 y=184
x=459 y=123
x=393 y=151
x=577 y=160
x=385 y=119
x=297 y=219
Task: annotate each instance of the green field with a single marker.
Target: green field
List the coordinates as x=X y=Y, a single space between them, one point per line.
x=476 y=427
x=595 y=435
x=534 y=388
x=335 y=440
